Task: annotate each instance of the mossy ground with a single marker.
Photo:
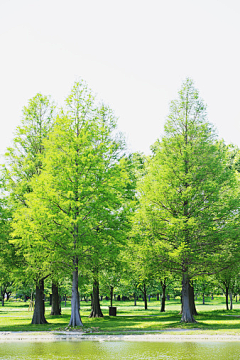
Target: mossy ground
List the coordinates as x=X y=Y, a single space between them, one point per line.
x=212 y=318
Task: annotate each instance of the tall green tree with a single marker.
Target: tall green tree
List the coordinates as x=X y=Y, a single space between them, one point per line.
x=23 y=162
x=82 y=183
x=189 y=199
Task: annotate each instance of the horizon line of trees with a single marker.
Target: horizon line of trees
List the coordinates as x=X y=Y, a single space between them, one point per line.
x=75 y=203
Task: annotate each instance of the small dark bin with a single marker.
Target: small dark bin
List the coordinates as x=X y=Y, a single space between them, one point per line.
x=112 y=311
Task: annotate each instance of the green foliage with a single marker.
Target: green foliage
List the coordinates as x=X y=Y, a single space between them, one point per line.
x=76 y=200
x=189 y=198
x=23 y=161
x=78 y=195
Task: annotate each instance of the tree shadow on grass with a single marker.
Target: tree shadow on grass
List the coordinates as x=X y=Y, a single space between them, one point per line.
x=54 y=323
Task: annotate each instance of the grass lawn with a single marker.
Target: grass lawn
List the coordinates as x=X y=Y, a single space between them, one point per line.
x=14 y=316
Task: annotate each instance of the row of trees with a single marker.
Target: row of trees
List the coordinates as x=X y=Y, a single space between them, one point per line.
x=77 y=202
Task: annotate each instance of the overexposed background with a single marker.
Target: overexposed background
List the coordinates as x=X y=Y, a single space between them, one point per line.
x=134 y=54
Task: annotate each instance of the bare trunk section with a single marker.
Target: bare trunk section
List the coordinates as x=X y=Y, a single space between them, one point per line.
x=96 y=309
x=2 y=295
x=111 y=295
x=163 y=298
x=226 y=294
x=75 y=319
x=145 y=296
x=39 y=308
x=191 y=300
x=56 y=301
x=186 y=309
x=231 y=300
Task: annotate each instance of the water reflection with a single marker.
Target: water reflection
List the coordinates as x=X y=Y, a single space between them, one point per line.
x=86 y=350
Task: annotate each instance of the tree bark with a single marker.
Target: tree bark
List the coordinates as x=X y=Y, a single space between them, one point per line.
x=39 y=308
x=75 y=319
x=163 y=298
x=186 y=309
x=145 y=296
x=96 y=309
x=111 y=295
x=2 y=294
x=231 y=300
x=56 y=301
x=227 y=298
x=181 y=306
x=191 y=300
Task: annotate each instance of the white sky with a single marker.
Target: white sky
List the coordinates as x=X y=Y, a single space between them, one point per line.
x=134 y=54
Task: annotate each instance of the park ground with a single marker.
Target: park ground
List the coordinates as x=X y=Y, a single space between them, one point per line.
x=131 y=323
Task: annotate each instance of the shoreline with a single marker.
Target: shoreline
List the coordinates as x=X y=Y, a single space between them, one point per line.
x=44 y=336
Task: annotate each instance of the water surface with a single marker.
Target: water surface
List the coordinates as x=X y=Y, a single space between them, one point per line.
x=86 y=350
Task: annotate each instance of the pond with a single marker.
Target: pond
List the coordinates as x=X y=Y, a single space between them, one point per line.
x=86 y=350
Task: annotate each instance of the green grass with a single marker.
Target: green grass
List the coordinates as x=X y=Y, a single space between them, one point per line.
x=212 y=318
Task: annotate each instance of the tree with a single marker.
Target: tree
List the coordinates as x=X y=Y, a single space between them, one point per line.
x=82 y=182
x=228 y=280
x=23 y=161
x=7 y=251
x=189 y=202
x=111 y=236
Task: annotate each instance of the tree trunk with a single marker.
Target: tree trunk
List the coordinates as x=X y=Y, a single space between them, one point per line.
x=145 y=296
x=39 y=308
x=163 y=298
x=3 y=291
x=96 y=309
x=157 y=297
x=231 y=300
x=56 y=301
x=203 y=299
x=111 y=295
x=191 y=300
x=227 y=298
x=186 y=309
x=75 y=319
x=181 y=306
x=65 y=300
